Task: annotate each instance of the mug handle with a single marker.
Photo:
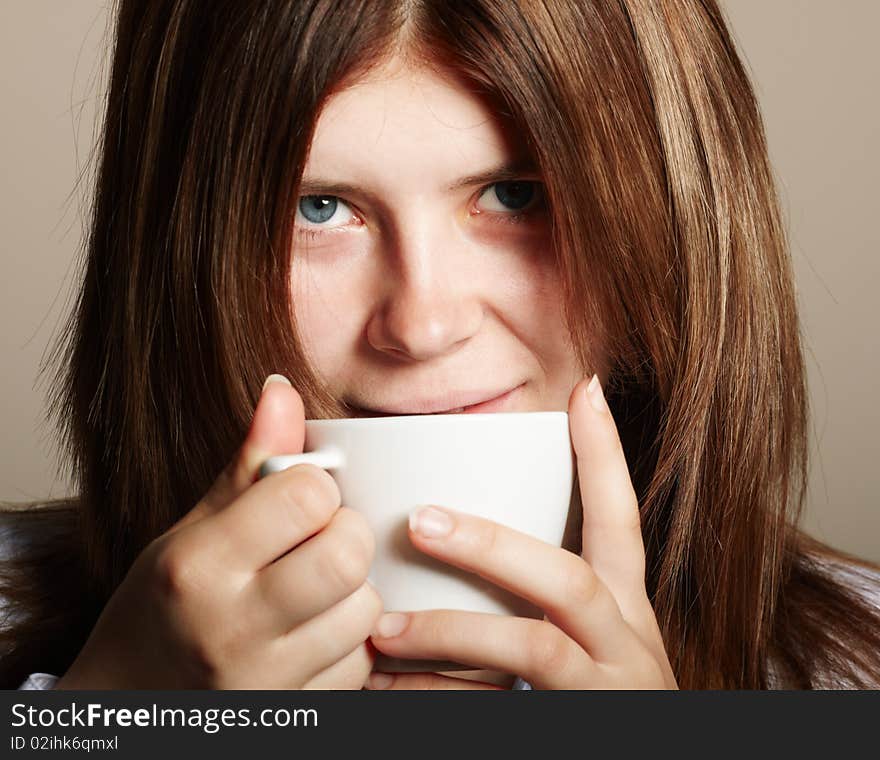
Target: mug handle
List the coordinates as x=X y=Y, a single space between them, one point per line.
x=326 y=459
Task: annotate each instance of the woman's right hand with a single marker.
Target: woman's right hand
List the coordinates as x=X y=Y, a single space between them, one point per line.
x=261 y=586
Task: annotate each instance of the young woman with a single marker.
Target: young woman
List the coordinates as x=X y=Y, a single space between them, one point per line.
x=408 y=207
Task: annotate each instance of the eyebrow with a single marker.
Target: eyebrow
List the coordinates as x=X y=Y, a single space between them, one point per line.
x=510 y=170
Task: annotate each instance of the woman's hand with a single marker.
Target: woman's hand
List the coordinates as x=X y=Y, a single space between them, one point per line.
x=599 y=632
x=262 y=585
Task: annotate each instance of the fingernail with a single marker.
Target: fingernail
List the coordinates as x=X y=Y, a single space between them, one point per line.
x=430 y=523
x=379 y=681
x=594 y=393
x=390 y=624
x=275 y=379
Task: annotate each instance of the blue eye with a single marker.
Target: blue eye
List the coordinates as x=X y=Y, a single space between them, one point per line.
x=515 y=195
x=518 y=196
x=317 y=209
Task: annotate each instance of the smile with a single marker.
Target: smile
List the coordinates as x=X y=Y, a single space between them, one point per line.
x=480 y=402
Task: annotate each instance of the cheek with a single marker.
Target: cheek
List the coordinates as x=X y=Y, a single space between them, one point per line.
x=513 y=270
x=327 y=305
x=536 y=314
x=535 y=305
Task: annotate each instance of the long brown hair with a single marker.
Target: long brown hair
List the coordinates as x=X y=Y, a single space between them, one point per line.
x=667 y=235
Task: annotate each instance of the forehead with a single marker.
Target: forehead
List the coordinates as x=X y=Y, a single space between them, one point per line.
x=399 y=114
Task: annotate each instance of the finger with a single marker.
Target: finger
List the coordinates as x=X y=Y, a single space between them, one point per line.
x=536 y=650
x=321 y=572
x=611 y=534
x=277 y=427
x=351 y=672
x=564 y=586
x=423 y=682
x=273 y=516
x=331 y=636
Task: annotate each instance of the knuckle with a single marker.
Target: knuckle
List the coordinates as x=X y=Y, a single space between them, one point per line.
x=484 y=537
x=631 y=519
x=582 y=586
x=374 y=604
x=358 y=532
x=346 y=563
x=323 y=480
x=309 y=499
x=203 y=662
x=550 y=650
x=367 y=609
x=176 y=573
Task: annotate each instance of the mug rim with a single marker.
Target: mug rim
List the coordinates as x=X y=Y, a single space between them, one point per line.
x=398 y=418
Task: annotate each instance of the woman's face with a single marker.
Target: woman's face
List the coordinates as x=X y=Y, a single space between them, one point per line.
x=423 y=273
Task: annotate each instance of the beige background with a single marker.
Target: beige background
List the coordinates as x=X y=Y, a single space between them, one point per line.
x=815 y=70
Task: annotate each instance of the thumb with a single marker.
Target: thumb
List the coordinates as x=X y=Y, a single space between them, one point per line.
x=277 y=427
x=611 y=532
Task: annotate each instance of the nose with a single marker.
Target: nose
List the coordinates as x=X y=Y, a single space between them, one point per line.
x=429 y=304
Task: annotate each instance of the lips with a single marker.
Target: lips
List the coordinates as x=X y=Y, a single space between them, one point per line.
x=473 y=402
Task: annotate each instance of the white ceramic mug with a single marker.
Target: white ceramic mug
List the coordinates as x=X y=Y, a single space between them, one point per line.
x=513 y=468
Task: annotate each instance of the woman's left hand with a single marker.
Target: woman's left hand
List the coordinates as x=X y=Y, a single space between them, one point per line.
x=599 y=630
